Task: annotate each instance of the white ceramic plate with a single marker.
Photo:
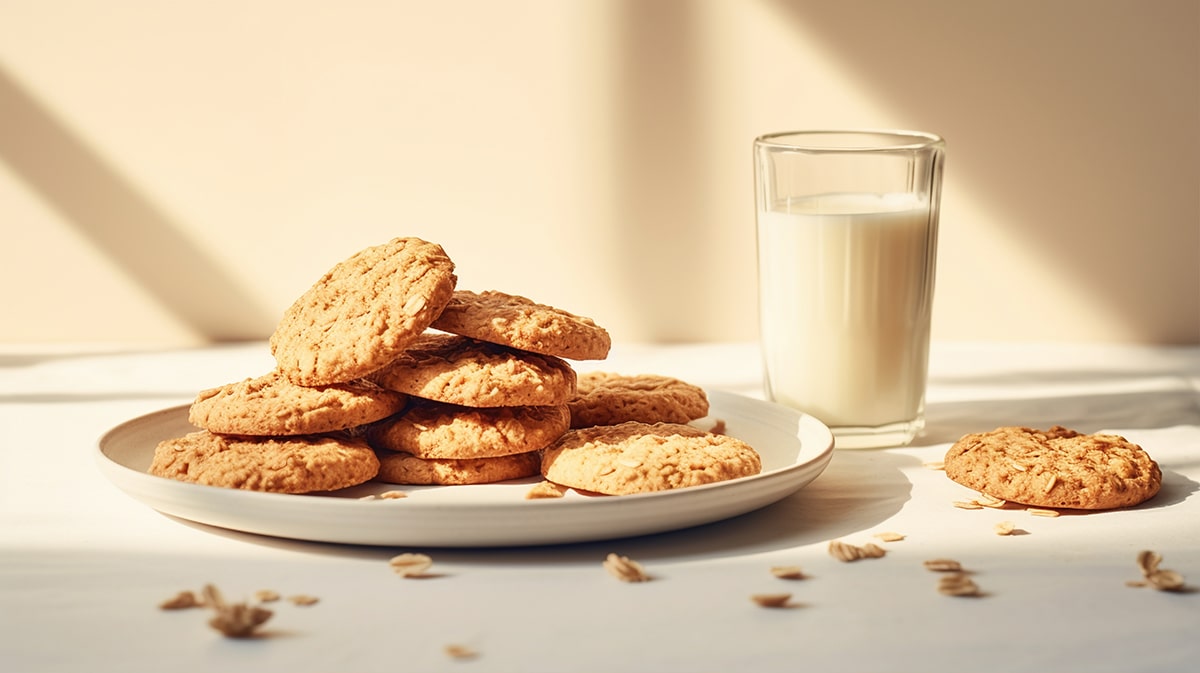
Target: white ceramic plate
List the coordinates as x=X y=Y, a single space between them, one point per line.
x=795 y=449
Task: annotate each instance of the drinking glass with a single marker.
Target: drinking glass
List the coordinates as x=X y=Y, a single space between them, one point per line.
x=847 y=225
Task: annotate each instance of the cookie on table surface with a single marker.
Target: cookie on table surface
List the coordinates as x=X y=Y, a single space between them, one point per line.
x=1058 y=468
x=363 y=313
x=638 y=457
x=272 y=405
x=277 y=464
x=456 y=370
x=603 y=398
x=405 y=468
x=436 y=430
x=518 y=322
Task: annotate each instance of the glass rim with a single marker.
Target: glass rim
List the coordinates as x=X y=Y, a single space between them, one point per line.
x=839 y=140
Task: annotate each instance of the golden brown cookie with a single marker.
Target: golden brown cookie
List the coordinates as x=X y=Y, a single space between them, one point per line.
x=640 y=457
x=363 y=313
x=603 y=398
x=457 y=370
x=1054 y=468
x=405 y=468
x=277 y=464
x=517 y=322
x=272 y=405
x=436 y=430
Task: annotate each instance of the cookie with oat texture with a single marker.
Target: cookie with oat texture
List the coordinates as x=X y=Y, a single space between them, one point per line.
x=271 y=405
x=302 y=464
x=605 y=398
x=1056 y=468
x=363 y=313
x=434 y=430
x=405 y=468
x=638 y=457
x=456 y=370
x=517 y=322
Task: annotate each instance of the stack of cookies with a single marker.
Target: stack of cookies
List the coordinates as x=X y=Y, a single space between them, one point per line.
x=386 y=371
x=481 y=412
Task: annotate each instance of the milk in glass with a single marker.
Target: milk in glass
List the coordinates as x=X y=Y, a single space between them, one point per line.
x=846 y=284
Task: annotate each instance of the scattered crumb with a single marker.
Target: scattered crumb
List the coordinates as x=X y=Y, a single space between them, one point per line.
x=545 y=489
x=625 y=569
x=266 y=596
x=788 y=572
x=985 y=500
x=943 y=565
x=872 y=550
x=460 y=652
x=958 y=584
x=181 y=601
x=235 y=620
x=848 y=553
x=1161 y=579
x=772 y=600
x=411 y=565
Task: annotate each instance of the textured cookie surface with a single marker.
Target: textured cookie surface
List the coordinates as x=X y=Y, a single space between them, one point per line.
x=280 y=465
x=1054 y=468
x=363 y=313
x=272 y=405
x=404 y=468
x=457 y=370
x=518 y=322
x=638 y=457
x=436 y=430
x=603 y=398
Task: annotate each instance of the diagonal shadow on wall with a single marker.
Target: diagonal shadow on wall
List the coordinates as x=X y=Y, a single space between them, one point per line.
x=122 y=222
x=1045 y=106
x=658 y=127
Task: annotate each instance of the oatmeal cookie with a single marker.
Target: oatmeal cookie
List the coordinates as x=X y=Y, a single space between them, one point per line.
x=517 y=322
x=1058 y=468
x=278 y=464
x=435 y=430
x=638 y=457
x=603 y=398
x=405 y=468
x=363 y=313
x=457 y=370
x=272 y=405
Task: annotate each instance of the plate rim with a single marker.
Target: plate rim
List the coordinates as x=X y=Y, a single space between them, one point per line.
x=134 y=483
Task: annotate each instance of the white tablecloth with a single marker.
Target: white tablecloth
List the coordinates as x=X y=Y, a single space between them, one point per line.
x=83 y=566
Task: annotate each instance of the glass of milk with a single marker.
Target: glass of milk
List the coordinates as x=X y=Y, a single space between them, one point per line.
x=847 y=246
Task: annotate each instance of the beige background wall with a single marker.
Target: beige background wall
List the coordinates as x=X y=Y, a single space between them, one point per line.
x=177 y=172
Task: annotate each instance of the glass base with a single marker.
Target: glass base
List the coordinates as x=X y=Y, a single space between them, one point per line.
x=883 y=436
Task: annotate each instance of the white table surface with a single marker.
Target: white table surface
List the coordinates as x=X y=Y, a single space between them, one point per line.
x=83 y=566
